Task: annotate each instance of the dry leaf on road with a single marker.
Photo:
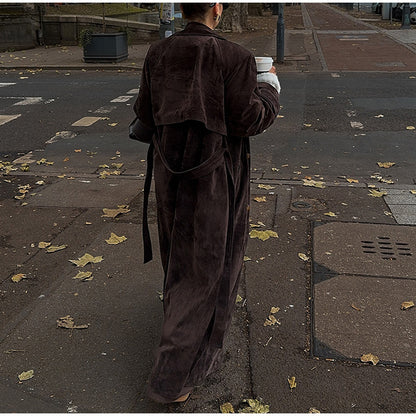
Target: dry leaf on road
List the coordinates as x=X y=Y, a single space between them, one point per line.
x=270 y=321
x=84 y=276
x=370 y=358
x=43 y=244
x=377 y=194
x=303 y=257
x=263 y=235
x=227 y=408
x=292 y=382
x=410 y=127
x=274 y=309
x=385 y=165
x=52 y=249
x=268 y=187
x=114 y=212
x=255 y=406
x=115 y=239
x=330 y=214
x=87 y=258
x=350 y=180
x=407 y=305
x=260 y=199
x=315 y=184
x=67 y=322
x=18 y=277
x=26 y=375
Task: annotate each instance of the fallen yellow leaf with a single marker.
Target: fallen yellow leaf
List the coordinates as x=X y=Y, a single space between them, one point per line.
x=377 y=194
x=246 y=258
x=238 y=299
x=263 y=235
x=26 y=375
x=315 y=184
x=260 y=199
x=255 y=406
x=270 y=321
x=115 y=239
x=407 y=305
x=18 y=277
x=52 y=249
x=292 y=382
x=43 y=244
x=410 y=127
x=268 y=187
x=274 y=309
x=313 y=410
x=84 y=276
x=113 y=213
x=350 y=180
x=67 y=322
x=303 y=257
x=385 y=165
x=370 y=358
x=330 y=214
x=227 y=408
x=87 y=258
x=117 y=165
x=413 y=192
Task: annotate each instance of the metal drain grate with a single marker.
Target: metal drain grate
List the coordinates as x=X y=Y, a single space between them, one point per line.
x=365 y=249
x=386 y=248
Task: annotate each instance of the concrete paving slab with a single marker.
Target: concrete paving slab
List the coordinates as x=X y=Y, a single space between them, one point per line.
x=403 y=198
x=21 y=233
x=365 y=249
x=13 y=400
x=356 y=315
x=105 y=368
x=92 y=192
x=405 y=218
x=101 y=368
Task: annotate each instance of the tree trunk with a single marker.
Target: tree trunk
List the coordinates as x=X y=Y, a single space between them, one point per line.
x=234 y=19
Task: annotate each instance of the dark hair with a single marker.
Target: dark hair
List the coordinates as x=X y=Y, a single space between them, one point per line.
x=195 y=10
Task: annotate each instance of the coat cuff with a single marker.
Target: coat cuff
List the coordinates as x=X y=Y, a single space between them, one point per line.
x=270 y=79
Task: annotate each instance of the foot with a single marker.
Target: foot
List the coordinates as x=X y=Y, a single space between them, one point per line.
x=182 y=399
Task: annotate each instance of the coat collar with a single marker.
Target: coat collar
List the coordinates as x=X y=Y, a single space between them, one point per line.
x=196 y=28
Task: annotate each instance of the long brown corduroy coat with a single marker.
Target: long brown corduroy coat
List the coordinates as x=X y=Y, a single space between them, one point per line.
x=199 y=94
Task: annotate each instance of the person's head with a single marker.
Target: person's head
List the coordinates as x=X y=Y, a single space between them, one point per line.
x=207 y=13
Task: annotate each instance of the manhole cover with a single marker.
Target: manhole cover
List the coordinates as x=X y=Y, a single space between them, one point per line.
x=365 y=249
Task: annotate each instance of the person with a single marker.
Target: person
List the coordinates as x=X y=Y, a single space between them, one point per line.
x=199 y=101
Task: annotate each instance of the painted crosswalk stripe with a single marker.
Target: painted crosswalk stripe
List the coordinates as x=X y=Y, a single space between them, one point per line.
x=133 y=91
x=122 y=99
x=106 y=109
x=7 y=84
x=86 y=121
x=6 y=118
x=29 y=100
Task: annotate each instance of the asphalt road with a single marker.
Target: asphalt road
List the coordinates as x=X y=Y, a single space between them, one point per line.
x=63 y=98
x=342 y=124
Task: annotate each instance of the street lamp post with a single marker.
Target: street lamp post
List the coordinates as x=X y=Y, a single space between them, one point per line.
x=280 y=36
x=406 y=16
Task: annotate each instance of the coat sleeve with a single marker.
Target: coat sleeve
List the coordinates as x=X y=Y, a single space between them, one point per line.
x=143 y=104
x=250 y=107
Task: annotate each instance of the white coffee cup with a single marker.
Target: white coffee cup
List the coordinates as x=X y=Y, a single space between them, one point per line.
x=263 y=63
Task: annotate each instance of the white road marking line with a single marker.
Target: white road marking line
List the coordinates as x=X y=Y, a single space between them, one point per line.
x=7 y=84
x=27 y=158
x=6 y=118
x=133 y=91
x=86 y=121
x=106 y=109
x=29 y=100
x=356 y=125
x=122 y=99
x=61 y=135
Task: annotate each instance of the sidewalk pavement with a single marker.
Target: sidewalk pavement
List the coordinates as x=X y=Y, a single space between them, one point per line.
x=332 y=40
x=104 y=367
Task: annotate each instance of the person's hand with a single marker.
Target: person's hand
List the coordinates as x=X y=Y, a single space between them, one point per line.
x=272 y=70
